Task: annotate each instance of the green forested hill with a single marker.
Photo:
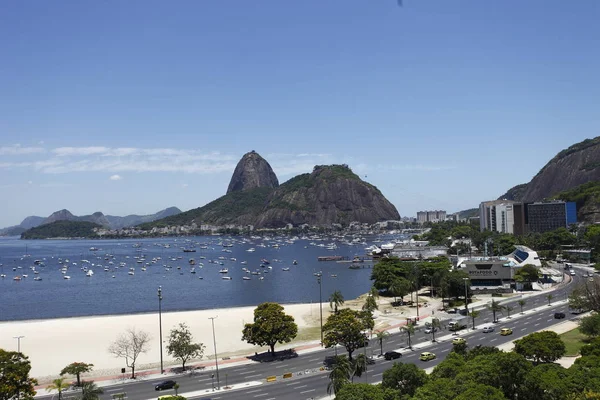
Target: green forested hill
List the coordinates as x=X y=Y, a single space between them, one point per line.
x=60 y=229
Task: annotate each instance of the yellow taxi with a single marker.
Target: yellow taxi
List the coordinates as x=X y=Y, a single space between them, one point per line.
x=426 y=356
x=505 y=331
x=459 y=340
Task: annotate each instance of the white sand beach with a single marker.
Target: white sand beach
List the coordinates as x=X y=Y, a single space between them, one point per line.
x=55 y=343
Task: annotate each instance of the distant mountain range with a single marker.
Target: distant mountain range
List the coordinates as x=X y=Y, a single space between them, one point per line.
x=107 y=221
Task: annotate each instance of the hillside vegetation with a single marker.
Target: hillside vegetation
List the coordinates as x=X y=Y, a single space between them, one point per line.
x=60 y=229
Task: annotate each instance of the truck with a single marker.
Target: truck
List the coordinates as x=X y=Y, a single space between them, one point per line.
x=457 y=324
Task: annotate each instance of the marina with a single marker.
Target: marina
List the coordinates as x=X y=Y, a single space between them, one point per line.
x=109 y=277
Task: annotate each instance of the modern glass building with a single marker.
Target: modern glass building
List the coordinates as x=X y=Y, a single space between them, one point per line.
x=545 y=217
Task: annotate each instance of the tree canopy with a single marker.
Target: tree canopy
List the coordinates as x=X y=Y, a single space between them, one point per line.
x=77 y=368
x=541 y=347
x=181 y=346
x=14 y=376
x=271 y=326
x=345 y=328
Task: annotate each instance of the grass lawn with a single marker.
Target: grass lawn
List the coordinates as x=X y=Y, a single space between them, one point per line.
x=574 y=340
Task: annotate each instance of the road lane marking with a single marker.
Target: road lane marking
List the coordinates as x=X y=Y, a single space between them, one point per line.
x=294 y=383
x=114 y=390
x=381 y=373
x=261 y=394
x=300 y=387
x=314 y=359
x=308 y=391
x=246 y=373
x=253 y=391
x=252 y=376
x=536 y=324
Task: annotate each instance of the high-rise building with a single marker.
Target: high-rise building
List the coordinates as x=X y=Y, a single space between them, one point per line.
x=497 y=215
x=431 y=216
x=506 y=216
x=545 y=217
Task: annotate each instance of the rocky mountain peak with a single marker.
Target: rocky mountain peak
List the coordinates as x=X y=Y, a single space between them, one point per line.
x=252 y=171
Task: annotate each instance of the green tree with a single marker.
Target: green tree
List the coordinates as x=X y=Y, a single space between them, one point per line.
x=472 y=391
x=409 y=329
x=181 y=346
x=438 y=389
x=345 y=328
x=340 y=374
x=370 y=304
x=454 y=284
x=546 y=382
x=271 y=326
x=521 y=303
x=77 y=368
x=544 y=346
x=449 y=368
x=527 y=273
x=59 y=385
x=406 y=378
x=361 y=391
x=508 y=309
x=359 y=366
x=460 y=348
x=399 y=287
x=14 y=376
x=590 y=325
x=335 y=300
x=495 y=307
x=381 y=336
x=90 y=391
x=130 y=345
x=474 y=314
x=549 y=297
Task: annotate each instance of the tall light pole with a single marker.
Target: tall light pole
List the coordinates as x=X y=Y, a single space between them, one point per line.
x=18 y=342
x=212 y=319
x=320 y=304
x=162 y=371
x=466 y=298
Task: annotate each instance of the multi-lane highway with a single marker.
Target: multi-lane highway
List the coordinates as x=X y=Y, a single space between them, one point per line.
x=308 y=382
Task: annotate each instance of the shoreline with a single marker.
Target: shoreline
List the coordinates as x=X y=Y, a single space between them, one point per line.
x=51 y=344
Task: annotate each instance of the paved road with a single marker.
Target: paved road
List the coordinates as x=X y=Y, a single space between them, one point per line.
x=313 y=383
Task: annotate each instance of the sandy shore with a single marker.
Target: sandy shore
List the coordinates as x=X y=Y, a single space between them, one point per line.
x=55 y=343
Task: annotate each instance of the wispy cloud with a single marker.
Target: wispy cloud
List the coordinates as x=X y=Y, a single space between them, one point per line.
x=115 y=177
x=17 y=149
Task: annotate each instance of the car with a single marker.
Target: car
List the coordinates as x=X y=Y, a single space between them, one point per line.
x=426 y=356
x=463 y=311
x=459 y=340
x=505 y=331
x=573 y=273
x=488 y=329
x=169 y=384
x=559 y=315
x=392 y=355
x=430 y=329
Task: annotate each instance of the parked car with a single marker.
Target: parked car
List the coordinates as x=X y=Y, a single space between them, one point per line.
x=559 y=315
x=169 y=384
x=426 y=356
x=459 y=340
x=392 y=355
x=488 y=329
x=505 y=331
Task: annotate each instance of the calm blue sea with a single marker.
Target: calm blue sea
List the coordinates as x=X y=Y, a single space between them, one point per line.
x=117 y=292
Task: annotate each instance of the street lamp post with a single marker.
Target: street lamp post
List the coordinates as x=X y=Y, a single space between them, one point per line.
x=18 y=342
x=320 y=304
x=215 y=345
x=466 y=298
x=162 y=371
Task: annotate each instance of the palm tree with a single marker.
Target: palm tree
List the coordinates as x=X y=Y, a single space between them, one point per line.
x=495 y=307
x=409 y=329
x=58 y=384
x=370 y=304
x=340 y=374
x=435 y=325
x=508 y=310
x=335 y=300
x=176 y=387
x=90 y=391
x=549 y=297
x=474 y=314
x=396 y=288
x=521 y=304
x=359 y=366
x=381 y=336
x=375 y=294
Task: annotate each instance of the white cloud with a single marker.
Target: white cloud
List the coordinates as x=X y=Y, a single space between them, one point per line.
x=16 y=150
x=115 y=178
x=184 y=185
x=79 y=151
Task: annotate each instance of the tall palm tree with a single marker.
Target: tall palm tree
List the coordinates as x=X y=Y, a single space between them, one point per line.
x=474 y=314
x=409 y=329
x=370 y=304
x=90 y=391
x=60 y=385
x=381 y=336
x=521 y=304
x=508 y=310
x=340 y=374
x=396 y=288
x=495 y=307
x=549 y=297
x=435 y=325
x=335 y=300
x=359 y=366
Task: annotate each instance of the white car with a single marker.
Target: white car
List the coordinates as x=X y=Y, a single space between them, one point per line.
x=488 y=329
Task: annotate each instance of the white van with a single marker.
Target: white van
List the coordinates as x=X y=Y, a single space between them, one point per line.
x=488 y=329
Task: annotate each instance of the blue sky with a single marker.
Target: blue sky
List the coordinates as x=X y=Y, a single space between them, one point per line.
x=131 y=107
